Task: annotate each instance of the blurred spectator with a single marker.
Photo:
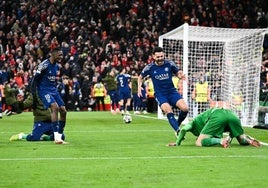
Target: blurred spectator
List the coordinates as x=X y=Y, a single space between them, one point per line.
x=85 y=92
x=98 y=93
x=65 y=90
x=111 y=86
x=96 y=36
x=76 y=92
x=151 y=102
x=201 y=95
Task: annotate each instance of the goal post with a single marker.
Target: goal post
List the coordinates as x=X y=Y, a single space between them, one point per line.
x=222 y=66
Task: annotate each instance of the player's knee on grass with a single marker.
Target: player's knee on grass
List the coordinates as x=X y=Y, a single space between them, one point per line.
x=199 y=139
x=198 y=143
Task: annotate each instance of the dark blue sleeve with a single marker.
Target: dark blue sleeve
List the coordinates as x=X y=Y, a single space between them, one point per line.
x=33 y=88
x=175 y=69
x=36 y=78
x=34 y=83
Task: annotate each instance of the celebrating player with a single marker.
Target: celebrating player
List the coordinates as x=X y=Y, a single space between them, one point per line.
x=44 y=84
x=167 y=96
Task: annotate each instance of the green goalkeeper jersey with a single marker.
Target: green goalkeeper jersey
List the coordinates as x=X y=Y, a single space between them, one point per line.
x=195 y=126
x=10 y=95
x=39 y=112
x=199 y=122
x=213 y=122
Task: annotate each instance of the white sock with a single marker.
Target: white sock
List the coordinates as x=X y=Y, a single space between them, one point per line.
x=57 y=136
x=60 y=136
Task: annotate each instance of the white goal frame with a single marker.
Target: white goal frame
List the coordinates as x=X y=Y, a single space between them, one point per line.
x=240 y=64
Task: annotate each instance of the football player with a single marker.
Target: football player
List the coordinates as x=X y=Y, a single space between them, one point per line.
x=44 y=84
x=167 y=96
x=210 y=125
x=42 y=127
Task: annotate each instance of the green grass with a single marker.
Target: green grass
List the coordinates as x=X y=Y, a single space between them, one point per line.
x=105 y=152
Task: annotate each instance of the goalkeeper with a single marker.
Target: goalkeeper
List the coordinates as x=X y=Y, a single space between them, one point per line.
x=210 y=125
x=42 y=128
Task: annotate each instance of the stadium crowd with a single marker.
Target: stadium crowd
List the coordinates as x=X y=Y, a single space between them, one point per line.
x=99 y=36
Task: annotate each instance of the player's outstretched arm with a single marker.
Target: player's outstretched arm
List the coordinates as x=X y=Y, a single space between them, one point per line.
x=186 y=128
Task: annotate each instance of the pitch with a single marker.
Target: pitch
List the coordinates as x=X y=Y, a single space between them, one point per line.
x=104 y=152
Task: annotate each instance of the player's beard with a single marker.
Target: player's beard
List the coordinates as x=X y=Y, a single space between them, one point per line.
x=159 y=62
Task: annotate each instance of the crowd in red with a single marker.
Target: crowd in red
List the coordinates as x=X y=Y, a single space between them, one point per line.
x=99 y=35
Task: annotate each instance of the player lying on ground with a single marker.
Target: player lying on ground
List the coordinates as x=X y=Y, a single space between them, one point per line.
x=42 y=128
x=210 y=125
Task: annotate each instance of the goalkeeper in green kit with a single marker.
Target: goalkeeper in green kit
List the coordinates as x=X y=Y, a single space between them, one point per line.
x=210 y=125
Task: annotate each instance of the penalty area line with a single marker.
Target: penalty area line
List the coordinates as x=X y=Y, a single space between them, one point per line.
x=132 y=158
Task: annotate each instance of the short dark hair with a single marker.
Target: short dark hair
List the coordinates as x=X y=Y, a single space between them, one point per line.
x=157 y=49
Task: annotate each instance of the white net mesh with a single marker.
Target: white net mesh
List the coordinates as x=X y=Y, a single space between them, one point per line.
x=222 y=66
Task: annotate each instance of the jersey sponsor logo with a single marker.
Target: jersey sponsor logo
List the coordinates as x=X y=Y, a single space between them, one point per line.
x=52 y=78
x=162 y=76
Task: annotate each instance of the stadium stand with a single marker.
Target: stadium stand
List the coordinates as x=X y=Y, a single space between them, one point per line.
x=97 y=36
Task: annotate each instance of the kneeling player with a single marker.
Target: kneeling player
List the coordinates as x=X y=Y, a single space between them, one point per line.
x=42 y=128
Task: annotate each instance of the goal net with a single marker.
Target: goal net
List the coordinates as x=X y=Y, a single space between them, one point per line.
x=222 y=66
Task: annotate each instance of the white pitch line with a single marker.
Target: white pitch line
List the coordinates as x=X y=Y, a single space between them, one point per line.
x=118 y=131
x=264 y=143
x=133 y=158
x=148 y=117
x=104 y=131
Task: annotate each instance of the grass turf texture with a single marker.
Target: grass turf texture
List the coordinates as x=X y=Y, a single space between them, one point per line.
x=106 y=152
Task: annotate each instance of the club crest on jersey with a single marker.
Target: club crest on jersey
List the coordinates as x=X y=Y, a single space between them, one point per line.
x=166 y=69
